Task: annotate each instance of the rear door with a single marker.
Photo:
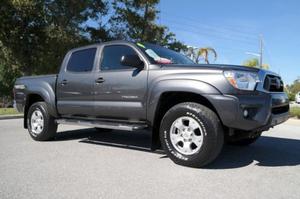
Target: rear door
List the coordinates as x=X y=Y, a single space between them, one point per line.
x=121 y=90
x=76 y=82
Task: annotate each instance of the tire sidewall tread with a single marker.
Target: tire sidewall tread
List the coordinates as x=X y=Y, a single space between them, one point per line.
x=50 y=126
x=213 y=137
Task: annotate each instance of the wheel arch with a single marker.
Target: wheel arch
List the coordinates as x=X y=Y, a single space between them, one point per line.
x=192 y=88
x=171 y=98
x=39 y=96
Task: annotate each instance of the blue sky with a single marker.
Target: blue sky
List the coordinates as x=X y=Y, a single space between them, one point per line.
x=233 y=27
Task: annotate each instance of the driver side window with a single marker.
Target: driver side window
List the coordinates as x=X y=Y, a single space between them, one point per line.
x=111 y=57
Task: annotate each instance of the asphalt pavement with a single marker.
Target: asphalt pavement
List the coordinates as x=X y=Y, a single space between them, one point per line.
x=84 y=163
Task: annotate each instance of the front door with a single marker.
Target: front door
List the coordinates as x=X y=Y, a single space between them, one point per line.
x=120 y=91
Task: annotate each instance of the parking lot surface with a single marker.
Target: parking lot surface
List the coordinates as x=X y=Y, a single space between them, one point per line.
x=84 y=163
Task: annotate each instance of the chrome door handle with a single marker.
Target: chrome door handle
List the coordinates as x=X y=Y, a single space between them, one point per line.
x=63 y=82
x=99 y=80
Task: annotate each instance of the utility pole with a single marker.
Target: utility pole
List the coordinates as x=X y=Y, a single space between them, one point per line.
x=261 y=51
x=260 y=54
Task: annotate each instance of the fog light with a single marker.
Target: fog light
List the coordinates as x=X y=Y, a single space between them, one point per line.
x=246 y=113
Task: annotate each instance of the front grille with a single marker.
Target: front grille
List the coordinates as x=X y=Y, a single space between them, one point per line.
x=273 y=84
x=281 y=109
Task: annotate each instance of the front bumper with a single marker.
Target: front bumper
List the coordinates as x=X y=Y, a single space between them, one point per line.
x=265 y=110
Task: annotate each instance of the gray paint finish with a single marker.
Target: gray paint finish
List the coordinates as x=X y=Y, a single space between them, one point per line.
x=134 y=94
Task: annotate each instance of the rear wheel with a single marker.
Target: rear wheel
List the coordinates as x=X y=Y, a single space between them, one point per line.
x=191 y=134
x=41 y=125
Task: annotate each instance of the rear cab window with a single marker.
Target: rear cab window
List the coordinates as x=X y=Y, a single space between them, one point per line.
x=82 y=60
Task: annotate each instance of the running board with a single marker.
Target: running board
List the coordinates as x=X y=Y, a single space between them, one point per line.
x=103 y=124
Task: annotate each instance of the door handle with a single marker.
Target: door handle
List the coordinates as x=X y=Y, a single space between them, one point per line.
x=99 y=80
x=63 y=82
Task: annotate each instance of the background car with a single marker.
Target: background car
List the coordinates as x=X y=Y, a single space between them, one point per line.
x=297 y=98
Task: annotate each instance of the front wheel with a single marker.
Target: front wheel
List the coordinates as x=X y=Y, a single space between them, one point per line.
x=191 y=134
x=41 y=125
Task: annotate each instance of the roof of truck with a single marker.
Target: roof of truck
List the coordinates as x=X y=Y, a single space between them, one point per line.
x=103 y=43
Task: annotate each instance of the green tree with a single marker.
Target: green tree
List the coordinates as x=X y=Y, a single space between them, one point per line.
x=295 y=87
x=35 y=34
x=39 y=32
x=251 y=63
x=7 y=74
x=136 y=20
x=254 y=62
x=292 y=89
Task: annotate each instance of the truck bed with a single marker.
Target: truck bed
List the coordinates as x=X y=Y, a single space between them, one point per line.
x=44 y=85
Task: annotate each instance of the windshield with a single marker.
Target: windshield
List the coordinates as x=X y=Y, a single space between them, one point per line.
x=161 y=55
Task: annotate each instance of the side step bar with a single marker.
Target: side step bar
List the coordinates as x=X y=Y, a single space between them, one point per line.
x=103 y=124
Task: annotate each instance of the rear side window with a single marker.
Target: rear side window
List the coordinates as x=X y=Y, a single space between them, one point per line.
x=111 y=59
x=82 y=60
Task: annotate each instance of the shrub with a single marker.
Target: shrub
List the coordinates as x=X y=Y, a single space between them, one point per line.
x=295 y=112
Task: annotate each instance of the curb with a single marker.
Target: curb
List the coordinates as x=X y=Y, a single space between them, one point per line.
x=6 y=117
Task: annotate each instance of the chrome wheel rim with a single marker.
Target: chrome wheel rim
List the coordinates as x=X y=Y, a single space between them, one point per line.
x=186 y=135
x=37 y=122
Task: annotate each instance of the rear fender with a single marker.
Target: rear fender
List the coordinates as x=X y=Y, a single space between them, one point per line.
x=48 y=95
x=46 y=92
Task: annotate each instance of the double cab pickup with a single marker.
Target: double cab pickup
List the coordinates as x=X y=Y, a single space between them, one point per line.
x=190 y=109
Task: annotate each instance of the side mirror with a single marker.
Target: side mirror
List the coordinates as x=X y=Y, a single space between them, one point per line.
x=132 y=60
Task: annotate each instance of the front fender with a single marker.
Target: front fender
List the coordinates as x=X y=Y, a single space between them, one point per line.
x=181 y=85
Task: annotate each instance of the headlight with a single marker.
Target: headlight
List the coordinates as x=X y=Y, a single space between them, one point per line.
x=242 y=80
x=20 y=86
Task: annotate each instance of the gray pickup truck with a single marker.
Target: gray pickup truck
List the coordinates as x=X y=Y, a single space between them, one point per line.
x=190 y=109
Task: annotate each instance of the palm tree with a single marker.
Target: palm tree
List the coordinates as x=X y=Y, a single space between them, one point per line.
x=191 y=52
x=204 y=52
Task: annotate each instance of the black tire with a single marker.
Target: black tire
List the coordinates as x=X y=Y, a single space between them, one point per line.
x=245 y=141
x=213 y=136
x=50 y=126
x=102 y=130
